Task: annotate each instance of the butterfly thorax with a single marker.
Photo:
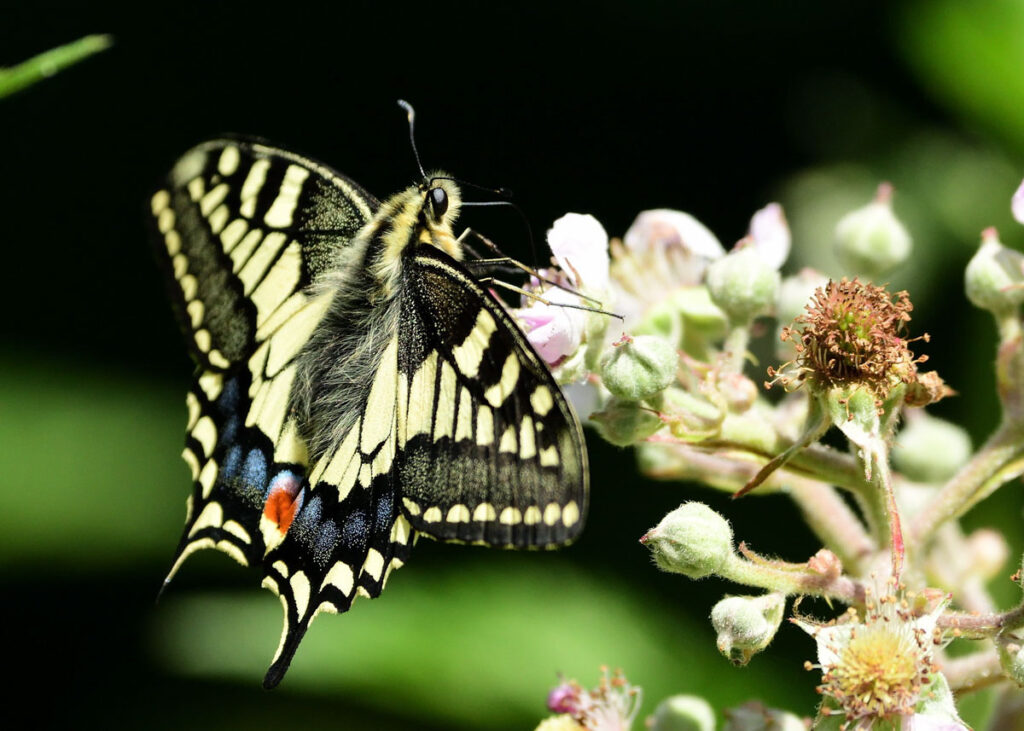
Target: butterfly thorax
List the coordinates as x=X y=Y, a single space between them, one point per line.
x=336 y=367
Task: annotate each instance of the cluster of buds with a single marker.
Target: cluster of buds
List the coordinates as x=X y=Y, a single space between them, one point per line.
x=672 y=378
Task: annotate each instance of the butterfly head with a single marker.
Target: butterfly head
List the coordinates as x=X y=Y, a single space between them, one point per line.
x=440 y=201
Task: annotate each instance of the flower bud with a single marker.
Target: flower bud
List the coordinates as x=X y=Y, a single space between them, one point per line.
x=624 y=422
x=692 y=540
x=871 y=241
x=639 y=367
x=683 y=713
x=929 y=449
x=796 y=292
x=994 y=279
x=989 y=552
x=771 y=236
x=699 y=312
x=746 y=624
x=1011 y=655
x=739 y=392
x=754 y=716
x=743 y=285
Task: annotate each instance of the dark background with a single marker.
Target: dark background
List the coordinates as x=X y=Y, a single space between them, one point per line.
x=711 y=107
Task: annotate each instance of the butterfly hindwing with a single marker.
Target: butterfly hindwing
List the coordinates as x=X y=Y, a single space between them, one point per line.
x=489 y=449
x=244 y=231
x=349 y=532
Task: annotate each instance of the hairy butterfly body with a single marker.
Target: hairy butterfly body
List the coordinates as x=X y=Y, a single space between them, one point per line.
x=356 y=386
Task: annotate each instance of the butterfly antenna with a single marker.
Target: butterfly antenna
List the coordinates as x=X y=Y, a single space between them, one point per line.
x=411 y=113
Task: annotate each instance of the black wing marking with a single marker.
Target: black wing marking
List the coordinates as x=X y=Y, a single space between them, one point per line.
x=242 y=227
x=489 y=449
x=349 y=532
x=243 y=231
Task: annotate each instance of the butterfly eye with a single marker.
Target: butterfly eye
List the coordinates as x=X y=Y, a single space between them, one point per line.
x=438 y=202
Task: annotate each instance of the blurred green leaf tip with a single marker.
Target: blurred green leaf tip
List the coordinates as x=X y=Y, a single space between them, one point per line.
x=47 y=63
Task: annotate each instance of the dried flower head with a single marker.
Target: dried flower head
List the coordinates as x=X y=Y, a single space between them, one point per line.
x=852 y=334
x=878 y=665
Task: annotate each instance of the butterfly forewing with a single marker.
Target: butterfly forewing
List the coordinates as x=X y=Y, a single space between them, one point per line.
x=489 y=449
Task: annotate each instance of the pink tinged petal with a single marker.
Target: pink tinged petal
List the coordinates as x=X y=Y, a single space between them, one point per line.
x=771 y=235
x=564 y=699
x=666 y=228
x=1017 y=203
x=580 y=246
x=553 y=331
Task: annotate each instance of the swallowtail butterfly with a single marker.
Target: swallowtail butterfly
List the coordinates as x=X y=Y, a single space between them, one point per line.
x=356 y=384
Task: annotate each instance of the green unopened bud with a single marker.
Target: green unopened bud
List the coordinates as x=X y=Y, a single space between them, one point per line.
x=754 y=716
x=994 y=278
x=796 y=292
x=746 y=624
x=624 y=422
x=640 y=367
x=930 y=449
x=692 y=540
x=743 y=285
x=988 y=551
x=871 y=241
x=1011 y=655
x=699 y=312
x=683 y=713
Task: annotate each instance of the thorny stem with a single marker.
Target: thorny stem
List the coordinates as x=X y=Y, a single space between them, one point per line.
x=882 y=478
x=973 y=672
x=824 y=509
x=1001 y=459
x=980 y=625
x=773 y=577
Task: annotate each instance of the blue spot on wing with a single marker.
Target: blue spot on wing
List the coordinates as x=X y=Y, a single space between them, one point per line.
x=254 y=471
x=228 y=400
x=232 y=461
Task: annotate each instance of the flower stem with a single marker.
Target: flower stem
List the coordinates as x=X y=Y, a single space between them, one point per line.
x=735 y=348
x=882 y=478
x=980 y=625
x=1000 y=460
x=791 y=581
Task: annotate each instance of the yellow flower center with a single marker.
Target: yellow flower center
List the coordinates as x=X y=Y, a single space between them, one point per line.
x=878 y=672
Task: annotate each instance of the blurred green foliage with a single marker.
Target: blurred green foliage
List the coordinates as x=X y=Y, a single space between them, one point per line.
x=37 y=68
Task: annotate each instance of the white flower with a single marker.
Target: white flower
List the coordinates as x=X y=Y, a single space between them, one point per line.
x=881 y=666
x=770 y=232
x=1017 y=203
x=664 y=228
x=580 y=246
